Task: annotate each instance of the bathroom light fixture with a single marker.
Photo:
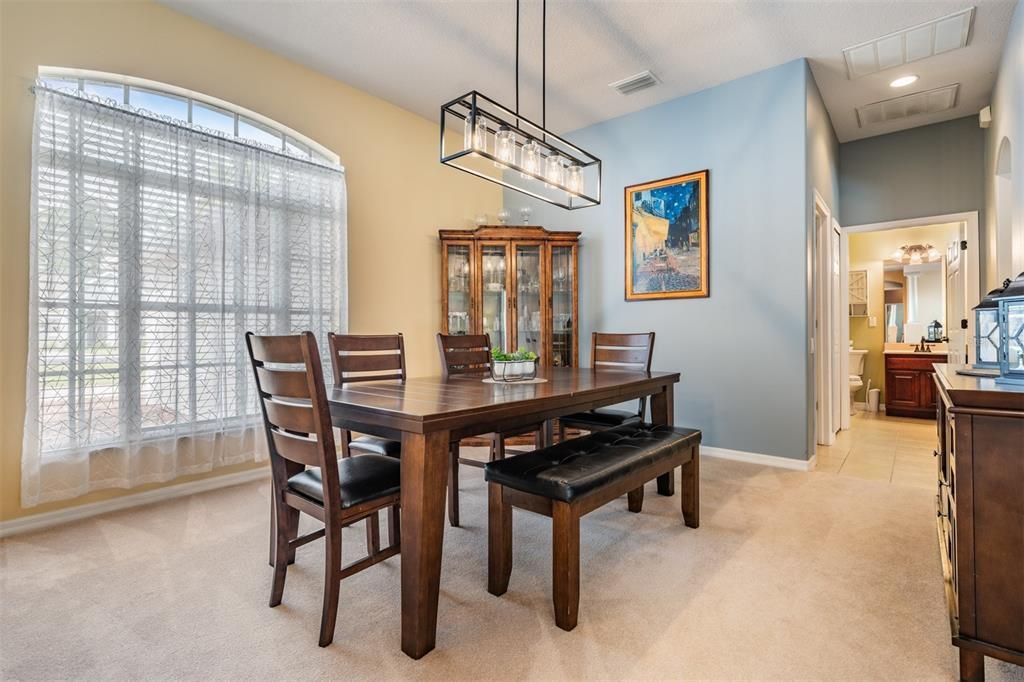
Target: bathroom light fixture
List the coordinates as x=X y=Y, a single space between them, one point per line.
x=903 y=81
x=915 y=254
x=500 y=145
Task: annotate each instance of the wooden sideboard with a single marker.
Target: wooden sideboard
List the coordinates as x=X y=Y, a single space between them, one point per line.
x=980 y=502
x=909 y=390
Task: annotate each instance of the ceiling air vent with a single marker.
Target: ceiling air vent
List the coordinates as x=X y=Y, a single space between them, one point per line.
x=640 y=81
x=909 y=45
x=927 y=102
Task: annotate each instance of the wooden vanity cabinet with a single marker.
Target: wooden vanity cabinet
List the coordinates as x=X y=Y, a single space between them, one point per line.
x=909 y=389
x=980 y=513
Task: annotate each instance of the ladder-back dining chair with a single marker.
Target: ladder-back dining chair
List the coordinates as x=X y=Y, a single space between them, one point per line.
x=471 y=355
x=307 y=475
x=356 y=358
x=611 y=352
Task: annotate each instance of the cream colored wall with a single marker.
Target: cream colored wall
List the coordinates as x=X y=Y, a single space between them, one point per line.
x=398 y=192
x=867 y=251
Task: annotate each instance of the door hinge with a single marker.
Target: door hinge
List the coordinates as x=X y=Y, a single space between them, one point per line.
x=963 y=324
x=963 y=245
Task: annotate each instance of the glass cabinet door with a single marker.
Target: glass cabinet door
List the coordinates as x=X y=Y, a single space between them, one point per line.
x=457 y=258
x=529 y=315
x=562 y=290
x=494 y=285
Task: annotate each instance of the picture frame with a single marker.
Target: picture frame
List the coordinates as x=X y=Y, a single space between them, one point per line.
x=666 y=246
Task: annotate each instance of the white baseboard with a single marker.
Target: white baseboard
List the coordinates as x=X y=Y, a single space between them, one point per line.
x=758 y=458
x=35 y=522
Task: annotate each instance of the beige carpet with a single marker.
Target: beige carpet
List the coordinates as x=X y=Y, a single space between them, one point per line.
x=791 y=575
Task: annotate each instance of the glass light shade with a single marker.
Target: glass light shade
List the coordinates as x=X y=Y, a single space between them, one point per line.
x=574 y=179
x=553 y=170
x=529 y=159
x=986 y=330
x=504 y=146
x=480 y=134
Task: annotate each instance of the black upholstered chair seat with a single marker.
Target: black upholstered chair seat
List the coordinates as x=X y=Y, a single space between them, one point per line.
x=575 y=467
x=376 y=446
x=361 y=479
x=600 y=419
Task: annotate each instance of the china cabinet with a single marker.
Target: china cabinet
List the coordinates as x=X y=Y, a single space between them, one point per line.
x=518 y=284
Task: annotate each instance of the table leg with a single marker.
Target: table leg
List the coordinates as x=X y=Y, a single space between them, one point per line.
x=424 y=475
x=663 y=412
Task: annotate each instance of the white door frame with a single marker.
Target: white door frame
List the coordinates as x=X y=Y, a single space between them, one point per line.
x=824 y=372
x=971 y=260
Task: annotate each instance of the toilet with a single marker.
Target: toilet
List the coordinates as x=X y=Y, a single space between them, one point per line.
x=856 y=373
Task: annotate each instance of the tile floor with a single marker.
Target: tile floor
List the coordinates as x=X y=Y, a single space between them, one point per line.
x=881 y=448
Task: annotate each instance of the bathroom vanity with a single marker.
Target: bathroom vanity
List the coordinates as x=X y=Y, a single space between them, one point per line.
x=980 y=498
x=909 y=389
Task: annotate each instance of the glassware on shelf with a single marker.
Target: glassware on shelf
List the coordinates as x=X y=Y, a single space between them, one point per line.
x=524 y=214
x=503 y=216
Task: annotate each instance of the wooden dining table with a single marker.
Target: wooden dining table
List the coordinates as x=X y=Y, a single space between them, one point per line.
x=427 y=414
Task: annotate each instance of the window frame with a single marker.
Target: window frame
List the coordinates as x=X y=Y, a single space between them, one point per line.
x=317 y=152
x=274 y=309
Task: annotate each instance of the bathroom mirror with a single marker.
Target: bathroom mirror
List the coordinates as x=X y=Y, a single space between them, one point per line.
x=914 y=298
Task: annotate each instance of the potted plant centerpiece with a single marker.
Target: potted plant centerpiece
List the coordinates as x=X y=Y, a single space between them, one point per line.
x=518 y=366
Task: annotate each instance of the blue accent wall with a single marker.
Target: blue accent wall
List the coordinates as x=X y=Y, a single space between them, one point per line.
x=742 y=352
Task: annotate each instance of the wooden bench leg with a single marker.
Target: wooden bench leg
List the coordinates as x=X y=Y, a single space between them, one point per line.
x=667 y=484
x=565 y=536
x=636 y=500
x=690 y=495
x=972 y=666
x=453 y=486
x=499 y=540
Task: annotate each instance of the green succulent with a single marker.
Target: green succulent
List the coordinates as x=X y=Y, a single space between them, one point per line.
x=521 y=355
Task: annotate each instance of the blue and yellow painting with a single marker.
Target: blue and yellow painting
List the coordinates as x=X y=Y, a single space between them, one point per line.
x=666 y=238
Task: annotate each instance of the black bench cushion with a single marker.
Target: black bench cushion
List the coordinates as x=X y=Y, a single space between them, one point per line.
x=600 y=418
x=568 y=470
x=362 y=478
x=377 y=446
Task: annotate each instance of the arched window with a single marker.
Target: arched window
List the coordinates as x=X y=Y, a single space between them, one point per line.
x=165 y=225
x=186 y=106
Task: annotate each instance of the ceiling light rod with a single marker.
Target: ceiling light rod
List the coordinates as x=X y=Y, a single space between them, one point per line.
x=502 y=146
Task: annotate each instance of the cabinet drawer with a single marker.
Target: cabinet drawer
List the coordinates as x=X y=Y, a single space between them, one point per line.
x=922 y=361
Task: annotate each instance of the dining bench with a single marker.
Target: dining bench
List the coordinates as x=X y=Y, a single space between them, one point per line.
x=573 y=478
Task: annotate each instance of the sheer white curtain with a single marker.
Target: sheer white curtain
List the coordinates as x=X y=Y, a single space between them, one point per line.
x=154 y=247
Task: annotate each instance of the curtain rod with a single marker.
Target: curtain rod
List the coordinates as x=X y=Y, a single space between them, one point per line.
x=184 y=125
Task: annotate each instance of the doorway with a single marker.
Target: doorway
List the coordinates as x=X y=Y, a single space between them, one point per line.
x=837 y=315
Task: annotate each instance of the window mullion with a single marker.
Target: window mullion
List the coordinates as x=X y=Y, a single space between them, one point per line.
x=130 y=286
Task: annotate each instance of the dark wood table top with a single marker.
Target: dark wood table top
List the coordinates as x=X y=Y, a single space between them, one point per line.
x=428 y=404
x=978 y=392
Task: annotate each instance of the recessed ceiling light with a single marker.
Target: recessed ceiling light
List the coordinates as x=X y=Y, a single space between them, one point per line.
x=903 y=81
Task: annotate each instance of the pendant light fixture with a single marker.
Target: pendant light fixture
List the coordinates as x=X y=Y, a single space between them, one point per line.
x=482 y=137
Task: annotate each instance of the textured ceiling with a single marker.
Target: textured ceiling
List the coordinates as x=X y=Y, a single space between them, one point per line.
x=420 y=53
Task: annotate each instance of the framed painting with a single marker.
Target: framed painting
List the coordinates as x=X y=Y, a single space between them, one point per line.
x=667 y=238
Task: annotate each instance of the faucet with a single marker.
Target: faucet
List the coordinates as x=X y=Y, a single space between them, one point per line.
x=922 y=347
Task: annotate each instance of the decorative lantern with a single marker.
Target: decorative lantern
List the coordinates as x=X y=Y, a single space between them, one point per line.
x=986 y=330
x=1011 y=333
x=935 y=331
